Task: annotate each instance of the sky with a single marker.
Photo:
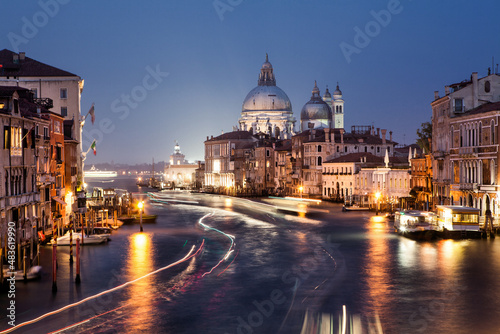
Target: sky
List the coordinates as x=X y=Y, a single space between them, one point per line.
x=160 y=71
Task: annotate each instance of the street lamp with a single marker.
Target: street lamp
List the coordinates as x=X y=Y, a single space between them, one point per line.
x=377 y=197
x=300 y=190
x=140 y=205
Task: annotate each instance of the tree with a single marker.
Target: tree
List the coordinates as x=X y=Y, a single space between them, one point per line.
x=424 y=135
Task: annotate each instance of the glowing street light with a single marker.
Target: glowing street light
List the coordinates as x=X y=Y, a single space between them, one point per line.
x=300 y=190
x=140 y=205
x=377 y=199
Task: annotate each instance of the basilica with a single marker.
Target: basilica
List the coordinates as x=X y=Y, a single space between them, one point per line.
x=268 y=153
x=267 y=109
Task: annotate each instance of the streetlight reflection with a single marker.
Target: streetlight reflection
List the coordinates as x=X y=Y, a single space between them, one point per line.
x=141 y=293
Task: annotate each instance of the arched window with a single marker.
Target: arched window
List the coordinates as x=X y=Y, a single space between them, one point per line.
x=340 y=109
x=487 y=86
x=480 y=139
x=319 y=148
x=320 y=160
x=277 y=132
x=492 y=132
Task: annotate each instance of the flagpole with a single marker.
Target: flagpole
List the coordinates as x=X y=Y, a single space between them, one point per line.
x=88 y=112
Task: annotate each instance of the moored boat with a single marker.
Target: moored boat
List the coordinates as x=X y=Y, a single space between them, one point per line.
x=31 y=274
x=458 y=222
x=87 y=239
x=415 y=224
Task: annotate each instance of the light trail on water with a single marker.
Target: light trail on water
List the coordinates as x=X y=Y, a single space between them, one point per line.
x=229 y=251
x=188 y=256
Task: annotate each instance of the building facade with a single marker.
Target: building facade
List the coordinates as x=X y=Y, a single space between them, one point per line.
x=464 y=146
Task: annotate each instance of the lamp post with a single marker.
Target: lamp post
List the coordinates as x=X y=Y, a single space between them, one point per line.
x=300 y=190
x=140 y=205
x=377 y=204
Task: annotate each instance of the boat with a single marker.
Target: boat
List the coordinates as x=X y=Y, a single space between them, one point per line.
x=458 y=222
x=95 y=173
x=136 y=219
x=417 y=225
x=31 y=274
x=87 y=239
x=354 y=207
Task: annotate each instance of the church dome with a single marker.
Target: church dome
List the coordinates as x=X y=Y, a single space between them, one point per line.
x=316 y=108
x=267 y=96
x=338 y=93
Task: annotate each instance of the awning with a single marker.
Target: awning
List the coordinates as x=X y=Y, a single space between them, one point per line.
x=58 y=200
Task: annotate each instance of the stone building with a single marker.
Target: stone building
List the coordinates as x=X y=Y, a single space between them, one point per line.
x=179 y=170
x=464 y=142
x=22 y=161
x=63 y=89
x=225 y=161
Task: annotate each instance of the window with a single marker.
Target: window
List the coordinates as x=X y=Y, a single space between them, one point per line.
x=63 y=93
x=34 y=91
x=64 y=111
x=319 y=148
x=487 y=86
x=458 y=105
x=320 y=160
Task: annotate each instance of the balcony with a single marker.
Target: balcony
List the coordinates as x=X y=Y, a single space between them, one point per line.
x=468 y=186
x=44 y=102
x=22 y=199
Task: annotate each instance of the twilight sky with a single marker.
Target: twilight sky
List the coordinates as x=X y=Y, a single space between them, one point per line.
x=388 y=56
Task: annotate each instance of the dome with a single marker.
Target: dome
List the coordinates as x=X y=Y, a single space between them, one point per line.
x=338 y=93
x=316 y=108
x=327 y=94
x=267 y=98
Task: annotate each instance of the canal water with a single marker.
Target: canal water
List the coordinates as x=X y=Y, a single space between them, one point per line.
x=213 y=264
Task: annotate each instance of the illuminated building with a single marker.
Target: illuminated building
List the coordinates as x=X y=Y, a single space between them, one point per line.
x=179 y=170
x=465 y=143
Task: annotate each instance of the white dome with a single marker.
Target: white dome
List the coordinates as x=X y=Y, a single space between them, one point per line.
x=267 y=98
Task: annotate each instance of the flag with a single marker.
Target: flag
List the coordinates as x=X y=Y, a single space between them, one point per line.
x=92 y=114
x=93 y=147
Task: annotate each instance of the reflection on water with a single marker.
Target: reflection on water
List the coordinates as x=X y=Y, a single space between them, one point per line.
x=378 y=269
x=141 y=293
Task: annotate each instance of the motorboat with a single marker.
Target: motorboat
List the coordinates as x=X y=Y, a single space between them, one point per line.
x=87 y=239
x=31 y=274
x=415 y=224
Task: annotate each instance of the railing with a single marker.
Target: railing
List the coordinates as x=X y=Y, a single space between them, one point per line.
x=21 y=199
x=44 y=102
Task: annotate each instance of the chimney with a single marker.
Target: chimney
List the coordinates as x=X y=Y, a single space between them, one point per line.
x=212 y=137
x=390 y=135
x=342 y=136
x=313 y=131
x=384 y=131
x=378 y=132
x=475 y=89
x=327 y=135
x=436 y=94
x=446 y=90
x=22 y=56
x=15 y=58
x=310 y=126
x=207 y=137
